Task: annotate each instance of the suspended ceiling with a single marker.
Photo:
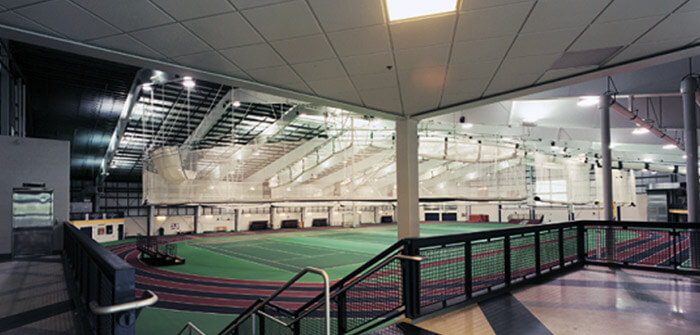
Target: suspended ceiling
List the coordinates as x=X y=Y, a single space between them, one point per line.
x=341 y=50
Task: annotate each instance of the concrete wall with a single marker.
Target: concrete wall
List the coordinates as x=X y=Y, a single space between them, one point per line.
x=35 y=161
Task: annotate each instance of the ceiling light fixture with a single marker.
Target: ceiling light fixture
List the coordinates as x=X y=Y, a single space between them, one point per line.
x=640 y=131
x=407 y=9
x=236 y=104
x=188 y=82
x=467 y=125
x=147 y=87
x=587 y=101
x=670 y=146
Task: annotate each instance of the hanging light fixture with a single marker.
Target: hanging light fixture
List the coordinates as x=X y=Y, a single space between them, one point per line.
x=188 y=82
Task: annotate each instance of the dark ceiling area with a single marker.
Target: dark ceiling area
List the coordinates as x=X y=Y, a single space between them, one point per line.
x=73 y=98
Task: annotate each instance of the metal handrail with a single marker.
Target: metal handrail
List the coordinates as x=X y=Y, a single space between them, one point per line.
x=360 y=278
x=191 y=327
x=260 y=305
x=127 y=306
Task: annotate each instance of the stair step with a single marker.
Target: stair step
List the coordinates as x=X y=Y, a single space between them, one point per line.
x=402 y=328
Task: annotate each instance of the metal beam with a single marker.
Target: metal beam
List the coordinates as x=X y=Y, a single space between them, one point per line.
x=141 y=77
x=210 y=120
x=632 y=117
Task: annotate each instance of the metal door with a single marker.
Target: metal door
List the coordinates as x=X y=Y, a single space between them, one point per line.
x=32 y=221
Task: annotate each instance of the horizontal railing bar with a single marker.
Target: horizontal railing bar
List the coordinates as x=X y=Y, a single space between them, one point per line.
x=127 y=306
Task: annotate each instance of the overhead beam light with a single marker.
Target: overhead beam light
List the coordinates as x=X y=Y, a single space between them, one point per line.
x=188 y=82
x=587 y=101
x=640 y=131
x=408 y=9
x=670 y=146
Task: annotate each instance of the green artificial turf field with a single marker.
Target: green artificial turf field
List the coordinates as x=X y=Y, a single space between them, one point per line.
x=277 y=257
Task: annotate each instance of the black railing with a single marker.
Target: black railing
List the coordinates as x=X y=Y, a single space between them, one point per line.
x=464 y=268
x=99 y=276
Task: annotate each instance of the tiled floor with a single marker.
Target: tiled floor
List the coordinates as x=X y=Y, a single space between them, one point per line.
x=34 y=297
x=596 y=300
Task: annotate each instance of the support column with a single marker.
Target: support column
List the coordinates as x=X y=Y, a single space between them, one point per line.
x=301 y=217
x=604 y=107
x=272 y=217
x=236 y=219
x=330 y=216
x=151 y=219
x=689 y=86
x=407 y=178
x=197 y=218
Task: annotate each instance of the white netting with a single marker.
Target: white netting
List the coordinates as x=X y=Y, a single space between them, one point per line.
x=355 y=161
x=624 y=186
x=562 y=180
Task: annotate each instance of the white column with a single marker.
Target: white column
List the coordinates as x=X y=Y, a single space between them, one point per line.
x=607 y=174
x=197 y=219
x=407 y=178
x=689 y=86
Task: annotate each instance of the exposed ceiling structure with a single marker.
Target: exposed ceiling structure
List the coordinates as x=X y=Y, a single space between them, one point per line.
x=347 y=51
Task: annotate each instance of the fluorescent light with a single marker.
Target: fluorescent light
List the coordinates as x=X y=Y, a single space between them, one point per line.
x=188 y=82
x=640 y=131
x=670 y=146
x=236 y=104
x=467 y=125
x=146 y=87
x=406 y=9
x=587 y=101
x=208 y=216
x=685 y=156
x=648 y=160
x=161 y=217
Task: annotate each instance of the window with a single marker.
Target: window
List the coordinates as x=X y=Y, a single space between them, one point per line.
x=109 y=230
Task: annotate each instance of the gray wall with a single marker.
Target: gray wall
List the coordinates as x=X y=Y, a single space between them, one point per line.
x=33 y=160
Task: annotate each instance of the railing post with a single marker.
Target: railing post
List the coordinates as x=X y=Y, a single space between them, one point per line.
x=506 y=261
x=342 y=313
x=561 y=248
x=674 y=241
x=538 y=260
x=581 y=242
x=468 y=268
x=411 y=282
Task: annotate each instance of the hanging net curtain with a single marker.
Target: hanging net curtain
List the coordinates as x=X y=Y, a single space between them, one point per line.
x=624 y=186
x=562 y=180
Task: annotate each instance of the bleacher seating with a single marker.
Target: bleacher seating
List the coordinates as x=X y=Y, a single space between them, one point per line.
x=158 y=250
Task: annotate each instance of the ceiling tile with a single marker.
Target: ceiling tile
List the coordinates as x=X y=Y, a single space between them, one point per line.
x=209 y=61
x=480 y=50
x=676 y=26
x=429 y=56
x=325 y=69
x=171 y=40
x=14 y=20
x=491 y=22
x=187 y=9
x=463 y=71
x=547 y=42
x=11 y=4
x=418 y=33
x=364 y=64
x=339 y=89
x=459 y=91
x=641 y=50
x=337 y=15
x=224 y=31
x=503 y=82
x=386 y=99
x=304 y=49
x=528 y=64
x=561 y=73
x=127 y=15
x=298 y=86
x=81 y=26
x=128 y=44
x=245 y=4
x=690 y=6
x=367 y=40
x=610 y=34
x=421 y=88
x=285 y=20
x=561 y=14
x=253 y=56
x=375 y=80
x=275 y=75
x=634 y=9
x=479 y=4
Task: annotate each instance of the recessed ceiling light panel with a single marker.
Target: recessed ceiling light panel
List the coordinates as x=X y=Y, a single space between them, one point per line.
x=407 y=9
